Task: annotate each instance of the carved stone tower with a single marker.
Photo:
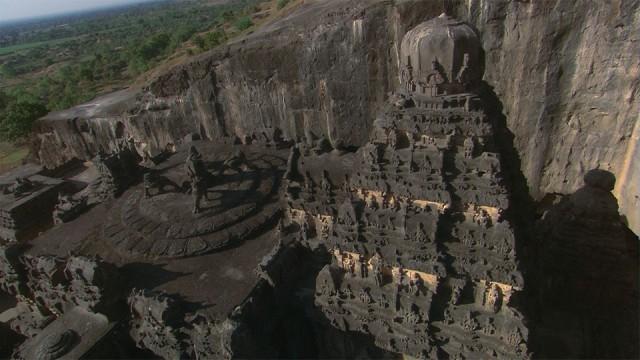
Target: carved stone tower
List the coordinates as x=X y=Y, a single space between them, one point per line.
x=422 y=243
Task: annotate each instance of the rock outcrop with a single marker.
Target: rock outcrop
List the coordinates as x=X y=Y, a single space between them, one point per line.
x=566 y=74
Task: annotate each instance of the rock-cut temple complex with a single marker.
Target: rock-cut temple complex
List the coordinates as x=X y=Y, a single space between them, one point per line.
x=413 y=245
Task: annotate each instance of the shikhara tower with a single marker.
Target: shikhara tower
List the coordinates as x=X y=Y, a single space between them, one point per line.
x=418 y=221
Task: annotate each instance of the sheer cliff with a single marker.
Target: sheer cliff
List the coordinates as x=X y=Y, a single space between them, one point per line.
x=566 y=73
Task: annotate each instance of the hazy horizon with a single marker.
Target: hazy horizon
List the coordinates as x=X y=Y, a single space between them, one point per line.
x=28 y=9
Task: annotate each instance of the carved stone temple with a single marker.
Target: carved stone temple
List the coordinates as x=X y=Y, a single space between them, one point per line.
x=274 y=235
x=422 y=243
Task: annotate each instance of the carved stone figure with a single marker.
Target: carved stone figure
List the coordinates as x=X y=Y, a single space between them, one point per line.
x=464 y=75
x=469 y=146
x=198 y=176
x=434 y=80
x=406 y=76
x=364 y=268
x=371 y=156
x=293 y=173
x=493 y=300
x=420 y=235
x=416 y=284
x=376 y=266
x=308 y=183
x=456 y=294
x=67 y=208
x=481 y=217
x=426 y=165
x=470 y=323
x=365 y=297
x=395 y=161
x=325 y=183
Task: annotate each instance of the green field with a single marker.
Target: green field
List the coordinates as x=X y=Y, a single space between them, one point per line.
x=27 y=46
x=58 y=63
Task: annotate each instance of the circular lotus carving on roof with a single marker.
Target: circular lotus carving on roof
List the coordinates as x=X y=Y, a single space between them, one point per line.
x=238 y=201
x=54 y=347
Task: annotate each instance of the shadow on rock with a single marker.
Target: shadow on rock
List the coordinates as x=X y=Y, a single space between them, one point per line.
x=588 y=281
x=148 y=276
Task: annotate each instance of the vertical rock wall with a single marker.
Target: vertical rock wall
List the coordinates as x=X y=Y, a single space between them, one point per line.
x=567 y=73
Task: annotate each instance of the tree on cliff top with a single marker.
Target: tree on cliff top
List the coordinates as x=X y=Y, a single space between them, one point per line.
x=4 y=99
x=18 y=112
x=243 y=23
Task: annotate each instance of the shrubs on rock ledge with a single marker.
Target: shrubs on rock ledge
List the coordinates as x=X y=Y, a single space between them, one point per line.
x=282 y=3
x=243 y=23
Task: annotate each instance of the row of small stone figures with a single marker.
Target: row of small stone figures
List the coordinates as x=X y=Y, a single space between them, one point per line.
x=436 y=76
x=413 y=285
x=470 y=323
x=348 y=263
x=420 y=235
x=411 y=314
x=373 y=158
x=388 y=200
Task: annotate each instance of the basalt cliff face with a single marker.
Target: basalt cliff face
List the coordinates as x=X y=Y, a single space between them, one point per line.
x=565 y=74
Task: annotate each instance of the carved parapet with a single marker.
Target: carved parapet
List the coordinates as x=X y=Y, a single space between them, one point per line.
x=10 y=277
x=380 y=197
x=155 y=322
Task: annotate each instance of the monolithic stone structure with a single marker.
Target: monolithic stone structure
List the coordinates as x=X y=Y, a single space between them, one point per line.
x=116 y=170
x=26 y=205
x=76 y=334
x=47 y=287
x=423 y=251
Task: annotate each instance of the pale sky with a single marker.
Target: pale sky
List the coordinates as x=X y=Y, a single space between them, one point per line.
x=21 y=9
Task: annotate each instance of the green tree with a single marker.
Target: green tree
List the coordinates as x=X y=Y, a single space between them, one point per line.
x=183 y=34
x=199 y=41
x=4 y=99
x=18 y=117
x=154 y=46
x=86 y=71
x=7 y=70
x=243 y=23
x=228 y=15
x=215 y=38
